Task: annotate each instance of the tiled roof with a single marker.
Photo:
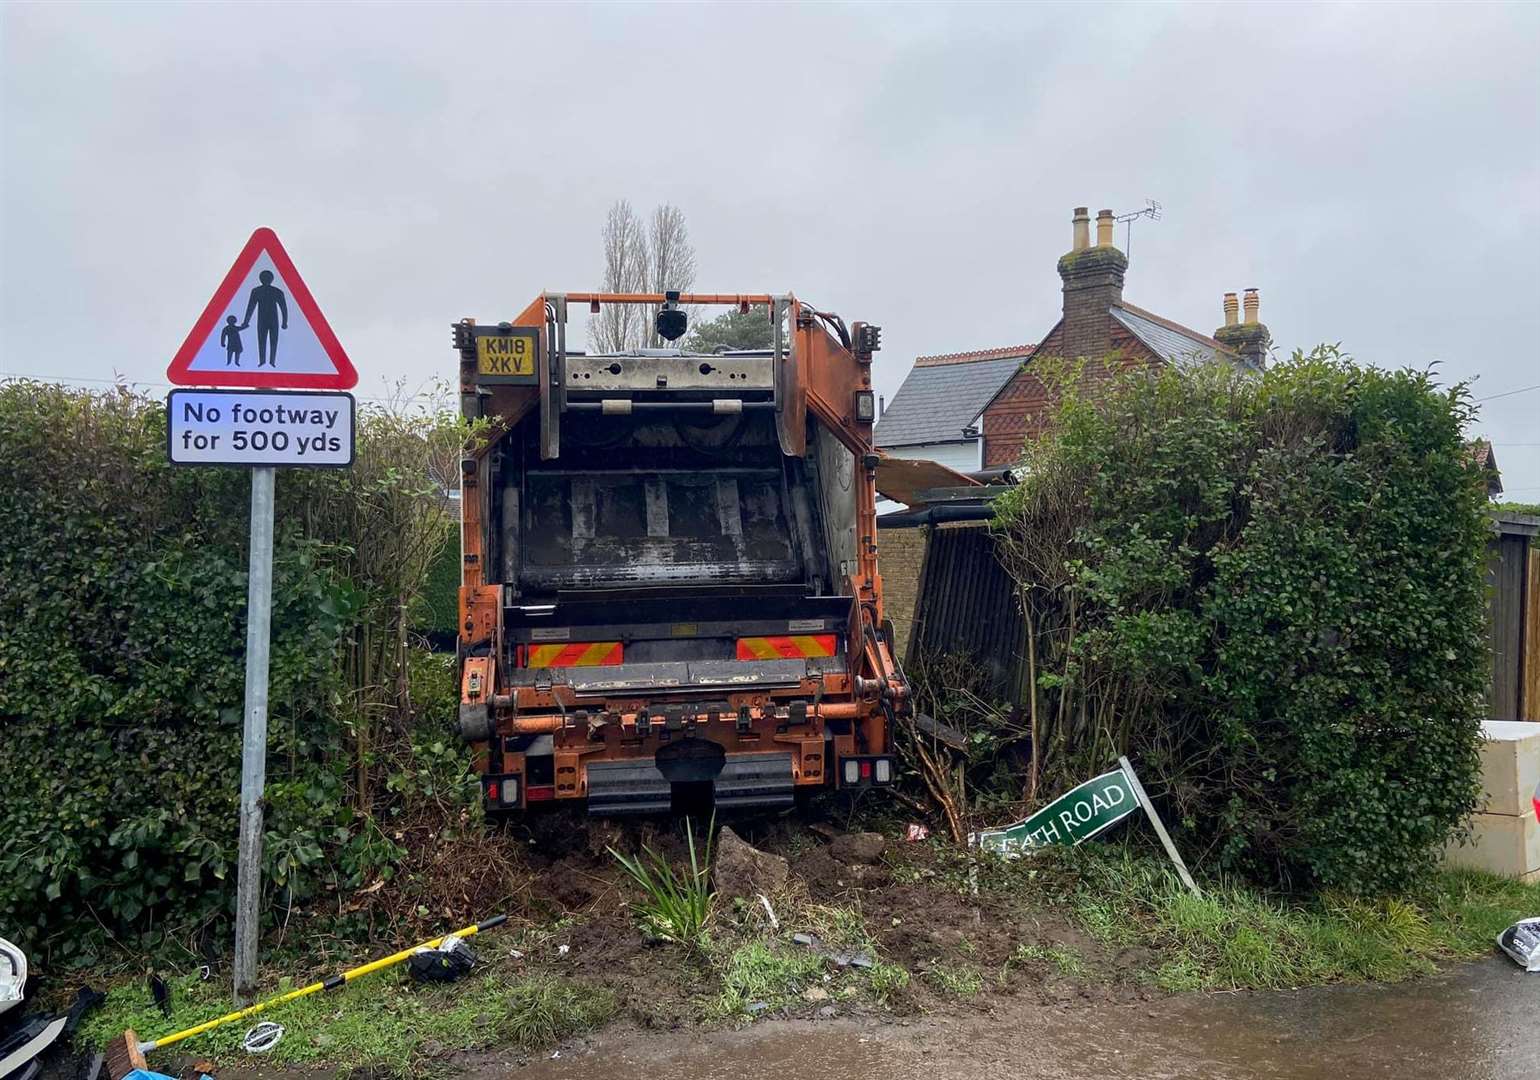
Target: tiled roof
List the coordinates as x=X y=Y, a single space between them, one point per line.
x=939 y=399
x=1171 y=341
x=1004 y=351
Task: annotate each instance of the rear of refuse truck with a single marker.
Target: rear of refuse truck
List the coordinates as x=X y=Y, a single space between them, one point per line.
x=670 y=586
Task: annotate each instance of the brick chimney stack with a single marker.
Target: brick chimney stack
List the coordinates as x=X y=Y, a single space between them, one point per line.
x=1093 y=283
x=1249 y=339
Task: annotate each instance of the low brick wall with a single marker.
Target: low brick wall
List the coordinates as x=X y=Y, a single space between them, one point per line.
x=900 y=555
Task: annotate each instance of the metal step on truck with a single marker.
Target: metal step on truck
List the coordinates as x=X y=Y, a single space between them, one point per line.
x=670 y=587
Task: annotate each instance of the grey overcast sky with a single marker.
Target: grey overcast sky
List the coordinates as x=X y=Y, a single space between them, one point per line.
x=1374 y=169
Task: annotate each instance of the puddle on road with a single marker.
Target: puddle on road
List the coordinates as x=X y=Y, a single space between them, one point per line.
x=1474 y=1023
x=778 y=1055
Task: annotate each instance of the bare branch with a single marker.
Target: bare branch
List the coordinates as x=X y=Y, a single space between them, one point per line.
x=672 y=262
x=619 y=327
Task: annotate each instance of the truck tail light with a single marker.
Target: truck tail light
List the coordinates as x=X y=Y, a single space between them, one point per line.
x=874 y=770
x=500 y=792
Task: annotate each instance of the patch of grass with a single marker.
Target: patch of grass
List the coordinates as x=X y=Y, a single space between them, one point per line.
x=1066 y=962
x=769 y=970
x=1234 y=936
x=956 y=980
x=677 y=905
x=886 y=981
x=766 y=972
x=545 y=1010
x=385 y=1021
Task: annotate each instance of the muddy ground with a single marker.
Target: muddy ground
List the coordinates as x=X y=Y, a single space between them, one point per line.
x=1071 y=1006
x=914 y=900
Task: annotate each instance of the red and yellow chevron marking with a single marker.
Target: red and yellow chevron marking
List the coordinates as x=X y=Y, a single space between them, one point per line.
x=788 y=647
x=580 y=654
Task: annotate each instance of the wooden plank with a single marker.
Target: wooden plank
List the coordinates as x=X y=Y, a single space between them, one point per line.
x=1506 y=574
x=1530 y=700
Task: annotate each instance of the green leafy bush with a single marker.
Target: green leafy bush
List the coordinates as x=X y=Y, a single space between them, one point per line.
x=122 y=652
x=1269 y=591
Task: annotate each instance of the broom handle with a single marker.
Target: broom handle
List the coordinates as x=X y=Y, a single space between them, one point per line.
x=332 y=982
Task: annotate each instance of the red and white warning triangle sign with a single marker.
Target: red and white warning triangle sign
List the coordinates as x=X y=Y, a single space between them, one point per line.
x=263 y=328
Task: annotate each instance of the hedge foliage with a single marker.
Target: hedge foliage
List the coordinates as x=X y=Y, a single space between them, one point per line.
x=1269 y=592
x=122 y=651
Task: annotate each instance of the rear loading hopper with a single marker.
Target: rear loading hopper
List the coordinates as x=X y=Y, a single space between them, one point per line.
x=670 y=582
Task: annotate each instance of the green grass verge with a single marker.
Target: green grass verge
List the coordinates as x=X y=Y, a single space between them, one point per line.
x=956 y=980
x=1235 y=937
x=1065 y=961
x=764 y=972
x=384 y=1021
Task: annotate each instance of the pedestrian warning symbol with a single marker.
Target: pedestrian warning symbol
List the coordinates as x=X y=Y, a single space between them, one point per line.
x=263 y=329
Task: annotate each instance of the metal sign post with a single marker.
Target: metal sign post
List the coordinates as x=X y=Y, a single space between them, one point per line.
x=1160 y=826
x=285 y=411
x=259 y=612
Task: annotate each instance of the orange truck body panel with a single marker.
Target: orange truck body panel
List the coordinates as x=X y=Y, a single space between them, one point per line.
x=670 y=563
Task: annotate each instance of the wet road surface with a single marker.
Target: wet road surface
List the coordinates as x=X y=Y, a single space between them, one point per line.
x=1478 y=1021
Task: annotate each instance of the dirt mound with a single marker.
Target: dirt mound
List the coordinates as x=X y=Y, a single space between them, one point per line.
x=741 y=871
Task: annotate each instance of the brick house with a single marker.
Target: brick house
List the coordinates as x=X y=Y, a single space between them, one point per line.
x=1097 y=327
x=934 y=416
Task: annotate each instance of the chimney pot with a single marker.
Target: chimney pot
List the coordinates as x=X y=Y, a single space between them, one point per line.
x=1232 y=309
x=1104 y=224
x=1082 y=221
x=1253 y=306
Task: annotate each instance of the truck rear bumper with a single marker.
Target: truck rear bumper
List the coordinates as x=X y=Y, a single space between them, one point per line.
x=638 y=786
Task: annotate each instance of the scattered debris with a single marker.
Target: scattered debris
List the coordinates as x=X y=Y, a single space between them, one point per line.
x=563 y=950
x=127 y=1052
x=1521 y=942
x=262 y=1038
x=916 y=833
x=742 y=871
x=446 y=963
x=27 y=1041
x=160 y=993
x=861 y=959
x=775 y=924
x=13 y=974
x=944 y=733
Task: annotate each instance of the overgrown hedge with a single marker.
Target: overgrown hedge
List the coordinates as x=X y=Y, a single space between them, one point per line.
x=1269 y=591
x=122 y=648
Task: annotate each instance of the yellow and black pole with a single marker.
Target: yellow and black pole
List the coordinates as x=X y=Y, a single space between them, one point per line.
x=125 y=1055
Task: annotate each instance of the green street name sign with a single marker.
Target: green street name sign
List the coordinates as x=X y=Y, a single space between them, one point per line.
x=1078 y=815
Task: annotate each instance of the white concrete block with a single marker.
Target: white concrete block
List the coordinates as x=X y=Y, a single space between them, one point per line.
x=1505 y=844
x=1510 y=766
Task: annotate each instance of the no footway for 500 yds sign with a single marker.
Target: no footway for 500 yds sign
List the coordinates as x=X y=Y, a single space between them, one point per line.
x=260 y=427
x=263 y=330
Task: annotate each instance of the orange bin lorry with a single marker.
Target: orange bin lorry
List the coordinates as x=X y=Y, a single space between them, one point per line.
x=670 y=586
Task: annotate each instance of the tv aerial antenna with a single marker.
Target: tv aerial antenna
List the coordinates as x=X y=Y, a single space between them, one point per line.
x=1152 y=210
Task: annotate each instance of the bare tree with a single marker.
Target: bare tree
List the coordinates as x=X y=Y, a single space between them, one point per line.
x=619 y=327
x=672 y=261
